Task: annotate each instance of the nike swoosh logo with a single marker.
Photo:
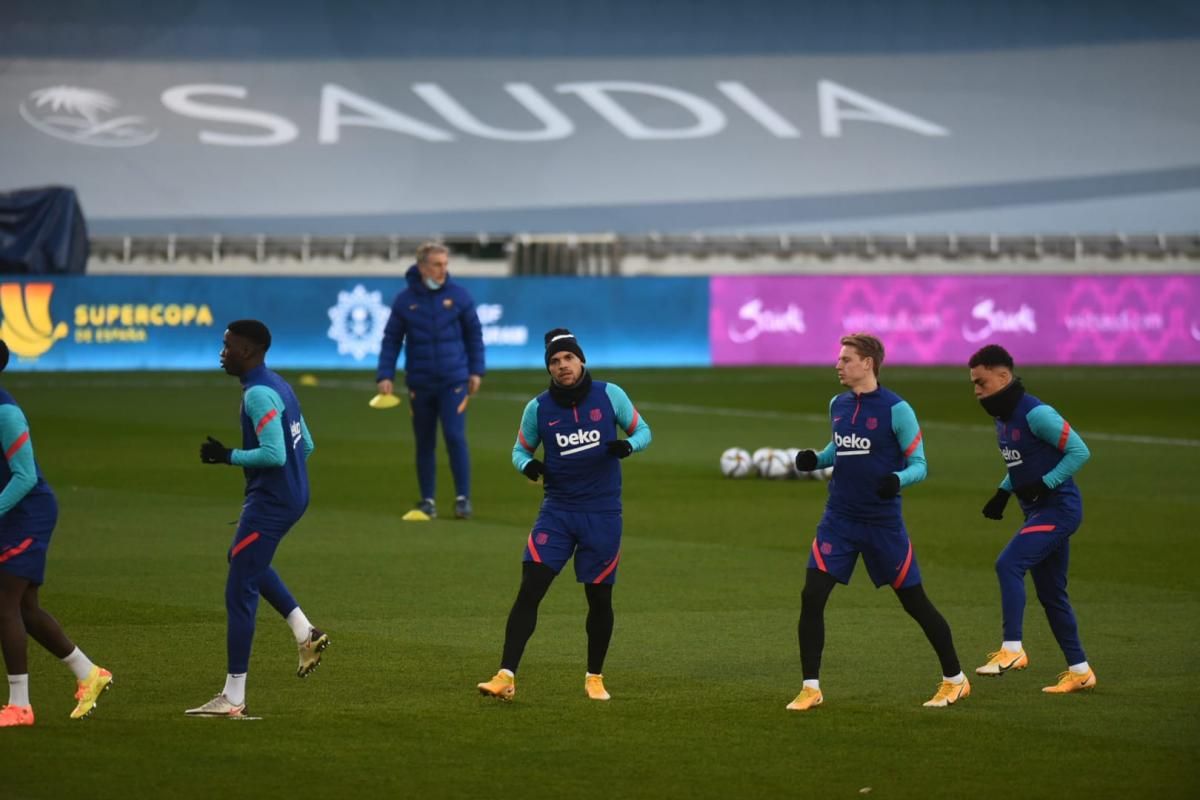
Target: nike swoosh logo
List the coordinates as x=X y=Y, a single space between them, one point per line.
x=553 y=422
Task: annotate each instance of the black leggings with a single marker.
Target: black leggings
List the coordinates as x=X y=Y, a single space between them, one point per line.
x=522 y=619
x=819 y=585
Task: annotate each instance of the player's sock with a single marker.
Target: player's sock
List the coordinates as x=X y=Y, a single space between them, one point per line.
x=235 y=688
x=299 y=624
x=811 y=684
x=1012 y=647
x=18 y=690
x=508 y=672
x=936 y=629
x=957 y=679
x=80 y=664
x=1080 y=669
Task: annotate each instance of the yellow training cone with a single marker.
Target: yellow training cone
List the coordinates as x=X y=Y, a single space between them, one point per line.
x=384 y=401
x=415 y=516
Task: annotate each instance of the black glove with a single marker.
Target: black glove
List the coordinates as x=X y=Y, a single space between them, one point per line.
x=213 y=452
x=889 y=486
x=1032 y=492
x=806 y=460
x=994 y=508
x=619 y=448
x=534 y=470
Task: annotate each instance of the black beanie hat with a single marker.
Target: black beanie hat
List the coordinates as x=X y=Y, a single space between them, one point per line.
x=560 y=339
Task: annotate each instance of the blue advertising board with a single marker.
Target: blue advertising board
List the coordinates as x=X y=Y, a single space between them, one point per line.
x=150 y=322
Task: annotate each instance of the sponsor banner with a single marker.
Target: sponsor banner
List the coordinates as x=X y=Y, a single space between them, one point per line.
x=938 y=319
x=1060 y=138
x=126 y=322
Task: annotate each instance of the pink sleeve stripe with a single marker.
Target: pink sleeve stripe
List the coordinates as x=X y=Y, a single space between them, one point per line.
x=265 y=421
x=912 y=448
x=633 y=425
x=17 y=445
x=521 y=439
x=1066 y=434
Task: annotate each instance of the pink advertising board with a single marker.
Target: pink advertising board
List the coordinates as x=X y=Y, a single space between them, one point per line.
x=942 y=319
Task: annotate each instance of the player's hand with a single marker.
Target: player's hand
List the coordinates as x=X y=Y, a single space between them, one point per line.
x=473 y=383
x=889 y=486
x=1032 y=492
x=994 y=508
x=534 y=470
x=619 y=448
x=806 y=460
x=385 y=386
x=213 y=452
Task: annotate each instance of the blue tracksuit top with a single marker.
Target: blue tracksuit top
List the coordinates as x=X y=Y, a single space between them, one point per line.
x=439 y=331
x=580 y=473
x=26 y=496
x=874 y=433
x=275 y=448
x=1036 y=443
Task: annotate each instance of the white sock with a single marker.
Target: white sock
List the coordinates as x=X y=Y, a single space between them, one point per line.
x=235 y=688
x=956 y=680
x=18 y=690
x=812 y=685
x=1012 y=647
x=80 y=664
x=1080 y=669
x=595 y=675
x=299 y=624
x=508 y=672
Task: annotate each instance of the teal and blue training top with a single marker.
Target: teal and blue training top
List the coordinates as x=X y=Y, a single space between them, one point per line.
x=580 y=473
x=275 y=446
x=26 y=493
x=874 y=433
x=1037 y=444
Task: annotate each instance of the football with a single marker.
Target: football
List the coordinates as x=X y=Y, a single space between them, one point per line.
x=759 y=459
x=776 y=465
x=735 y=463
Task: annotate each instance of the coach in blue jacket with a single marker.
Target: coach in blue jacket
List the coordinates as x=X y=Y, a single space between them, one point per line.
x=443 y=366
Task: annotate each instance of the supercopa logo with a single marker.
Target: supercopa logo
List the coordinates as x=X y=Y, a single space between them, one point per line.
x=84 y=116
x=357 y=322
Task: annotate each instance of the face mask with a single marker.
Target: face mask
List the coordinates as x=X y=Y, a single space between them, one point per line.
x=431 y=284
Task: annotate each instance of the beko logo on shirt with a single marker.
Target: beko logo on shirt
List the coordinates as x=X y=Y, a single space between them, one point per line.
x=855 y=445
x=1012 y=456
x=579 y=440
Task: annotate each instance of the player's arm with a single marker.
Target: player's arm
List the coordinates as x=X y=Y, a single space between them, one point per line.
x=393 y=340
x=628 y=418
x=912 y=445
x=1049 y=426
x=18 y=450
x=309 y=444
x=264 y=406
x=527 y=438
x=828 y=455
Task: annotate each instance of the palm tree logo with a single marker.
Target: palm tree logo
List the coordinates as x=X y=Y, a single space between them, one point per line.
x=84 y=116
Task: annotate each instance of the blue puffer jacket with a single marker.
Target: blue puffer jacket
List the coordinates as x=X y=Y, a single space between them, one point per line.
x=441 y=330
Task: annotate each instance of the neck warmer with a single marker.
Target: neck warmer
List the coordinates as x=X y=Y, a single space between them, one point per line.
x=1004 y=402
x=567 y=396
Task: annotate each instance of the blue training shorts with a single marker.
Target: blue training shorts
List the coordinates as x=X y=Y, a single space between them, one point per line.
x=886 y=550
x=594 y=537
x=25 y=537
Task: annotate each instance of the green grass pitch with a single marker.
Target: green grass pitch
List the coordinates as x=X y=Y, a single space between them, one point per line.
x=704 y=655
